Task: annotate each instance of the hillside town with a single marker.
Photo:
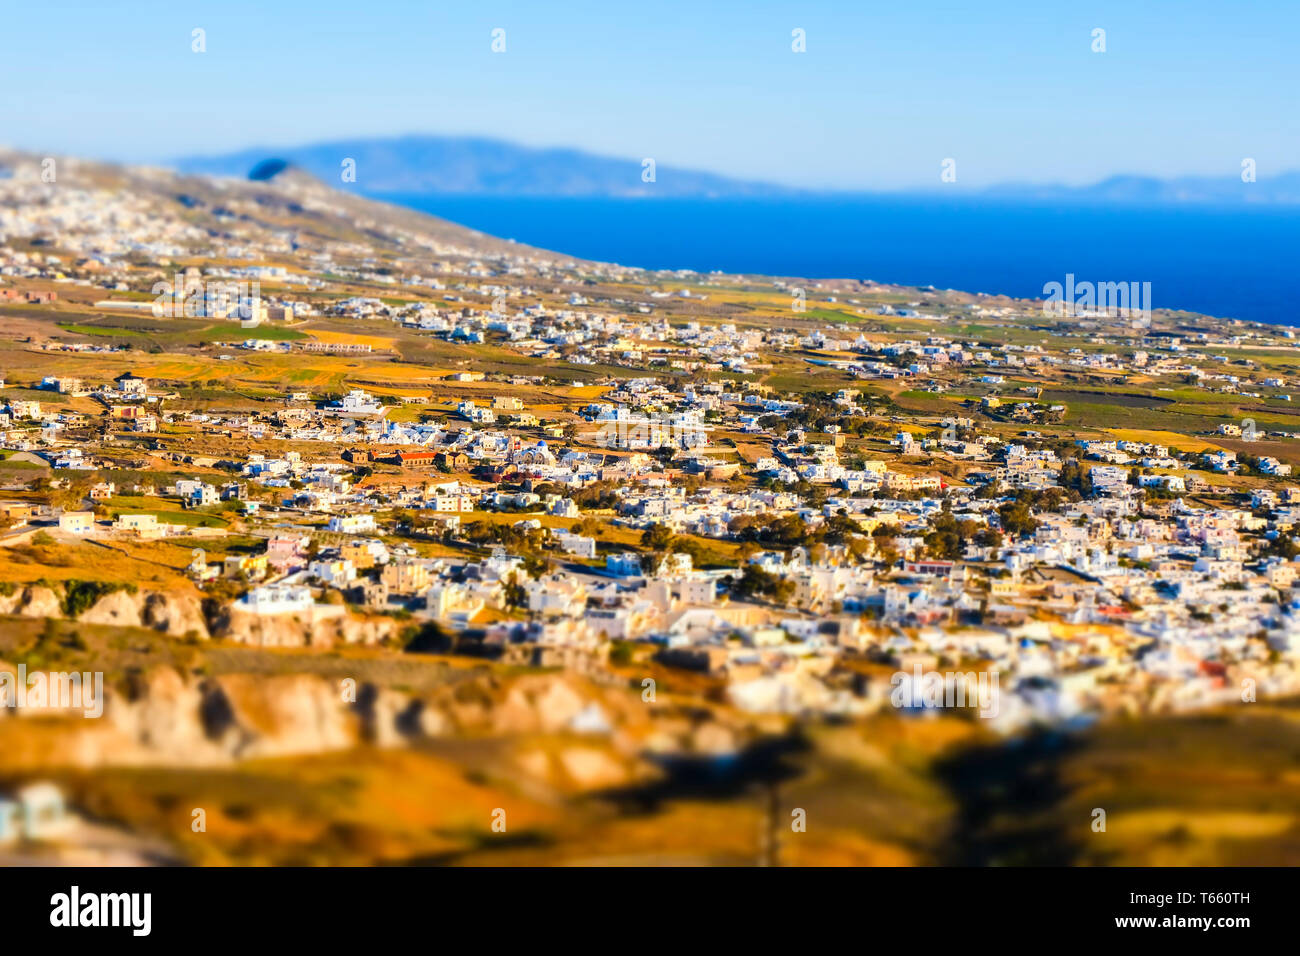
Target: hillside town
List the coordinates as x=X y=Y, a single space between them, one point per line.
x=515 y=456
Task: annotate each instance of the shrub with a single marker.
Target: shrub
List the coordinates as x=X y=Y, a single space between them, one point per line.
x=81 y=596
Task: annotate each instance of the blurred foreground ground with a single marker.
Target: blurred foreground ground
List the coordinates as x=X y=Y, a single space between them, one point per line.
x=417 y=768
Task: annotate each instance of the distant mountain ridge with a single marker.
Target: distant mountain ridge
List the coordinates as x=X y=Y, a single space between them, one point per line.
x=476 y=166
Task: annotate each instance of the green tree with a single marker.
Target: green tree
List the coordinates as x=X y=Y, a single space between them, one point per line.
x=658 y=537
x=1016 y=518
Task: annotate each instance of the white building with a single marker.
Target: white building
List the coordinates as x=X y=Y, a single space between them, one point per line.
x=353 y=524
x=277 y=599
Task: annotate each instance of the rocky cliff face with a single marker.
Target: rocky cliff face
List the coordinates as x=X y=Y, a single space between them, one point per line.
x=33 y=601
x=302 y=630
x=121 y=609
x=248 y=716
x=178 y=615
x=165 y=718
x=182 y=615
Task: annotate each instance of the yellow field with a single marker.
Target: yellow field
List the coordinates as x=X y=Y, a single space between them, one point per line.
x=1172 y=439
x=392 y=371
x=398 y=390
x=301 y=374
x=187 y=370
x=147 y=564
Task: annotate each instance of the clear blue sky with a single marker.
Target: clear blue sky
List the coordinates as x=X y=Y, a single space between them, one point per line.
x=885 y=91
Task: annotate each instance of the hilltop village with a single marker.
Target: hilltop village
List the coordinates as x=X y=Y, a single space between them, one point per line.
x=298 y=419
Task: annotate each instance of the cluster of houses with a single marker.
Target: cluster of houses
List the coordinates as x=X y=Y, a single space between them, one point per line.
x=683 y=508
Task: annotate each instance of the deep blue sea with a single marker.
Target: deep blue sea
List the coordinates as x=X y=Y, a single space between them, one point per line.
x=1237 y=262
